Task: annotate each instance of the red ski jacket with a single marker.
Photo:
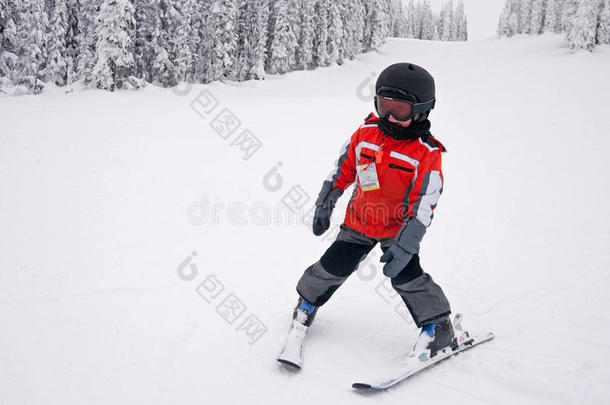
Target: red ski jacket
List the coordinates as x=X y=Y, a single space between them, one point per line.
x=408 y=183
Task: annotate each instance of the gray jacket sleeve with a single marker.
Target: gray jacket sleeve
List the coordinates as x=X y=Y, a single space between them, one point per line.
x=413 y=229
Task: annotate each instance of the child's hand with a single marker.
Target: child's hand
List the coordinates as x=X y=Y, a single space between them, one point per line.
x=324 y=208
x=395 y=259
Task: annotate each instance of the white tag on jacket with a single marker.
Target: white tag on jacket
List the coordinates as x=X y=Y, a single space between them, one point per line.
x=367 y=174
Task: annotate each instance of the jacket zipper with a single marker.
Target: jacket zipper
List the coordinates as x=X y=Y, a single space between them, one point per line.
x=406 y=169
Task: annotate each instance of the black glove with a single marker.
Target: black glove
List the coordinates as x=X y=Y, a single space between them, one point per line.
x=406 y=244
x=324 y=207
x=395 y=259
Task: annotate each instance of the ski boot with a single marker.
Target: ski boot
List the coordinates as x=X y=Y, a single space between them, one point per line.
x=304 y=312
x=302 y=317
x=433 y=338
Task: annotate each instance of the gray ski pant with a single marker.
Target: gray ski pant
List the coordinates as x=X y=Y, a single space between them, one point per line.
x=424 y=299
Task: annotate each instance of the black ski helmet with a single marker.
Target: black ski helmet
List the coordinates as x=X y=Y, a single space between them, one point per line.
x=409 y=82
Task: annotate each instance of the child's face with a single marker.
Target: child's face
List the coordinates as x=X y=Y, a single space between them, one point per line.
x=401 y=123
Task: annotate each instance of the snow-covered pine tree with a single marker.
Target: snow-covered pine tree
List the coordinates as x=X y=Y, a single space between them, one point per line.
x=320 y=50
x=283 y=44
x=244 y=28
x=166 y=41
x=87 y=41
x=356 y=10
x=260 y=32
x=581 y=20
x=400 y=18
x=377 y=25
x=427 y=22
x=510 y=20
x=32 y=52
x=445 y=22
x=73 y=38
x=199 y=43
x=454 y=22
x=346 y=53
x=252 y=39
x=221 y=35
x=3 y=68
x=346 y=10
x=569 y=14
x=58 y=48
x=603 y=24
x=524 y=16
x=465 y=29
x=114 y=62
x=172 y=19
x=391 y=8
x=356 y=24
x=9 y=42
x=294 y=19
x=554 y=11
x=304 y=51
x=335 y=34
x=461 y=23
x=4 y=16
x=166 y=21
x=504 y=26
x=183 y=53
x=441 y=19
x=161 y=66
x=142 y=41
x=410 y=17
x=367 y=28
x=418 y=17
x=388 y=18
x=537 y=21
x=582 y=34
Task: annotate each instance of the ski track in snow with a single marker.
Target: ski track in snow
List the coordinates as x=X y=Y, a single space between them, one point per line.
x=95 y=189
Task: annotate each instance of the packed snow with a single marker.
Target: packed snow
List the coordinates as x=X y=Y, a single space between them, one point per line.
x=128 y=225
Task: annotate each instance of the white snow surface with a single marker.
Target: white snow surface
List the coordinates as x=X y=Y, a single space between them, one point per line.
x=95 y=189
x=482 y=16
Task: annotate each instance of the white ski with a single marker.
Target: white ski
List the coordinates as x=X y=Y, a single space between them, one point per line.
x=292 y=352
x=417 y=361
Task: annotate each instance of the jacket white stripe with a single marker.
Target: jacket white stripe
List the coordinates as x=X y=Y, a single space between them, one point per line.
x=364 y=144
x=335 y=171
x=430 y=148
x=408 y=159
x=429 y=199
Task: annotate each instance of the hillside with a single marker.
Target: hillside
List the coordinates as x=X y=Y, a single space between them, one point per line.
x=101 y=198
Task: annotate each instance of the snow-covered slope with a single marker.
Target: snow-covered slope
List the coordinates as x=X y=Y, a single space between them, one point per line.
x=94 y=194
x=482 y=16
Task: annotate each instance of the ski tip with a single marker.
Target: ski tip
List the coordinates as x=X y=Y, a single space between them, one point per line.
x=362 y=386
x=289 y=364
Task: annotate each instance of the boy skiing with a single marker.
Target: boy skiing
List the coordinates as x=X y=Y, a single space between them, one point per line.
x=396 y=164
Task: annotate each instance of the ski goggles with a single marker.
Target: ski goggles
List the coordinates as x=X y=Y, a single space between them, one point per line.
x=402 y=107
